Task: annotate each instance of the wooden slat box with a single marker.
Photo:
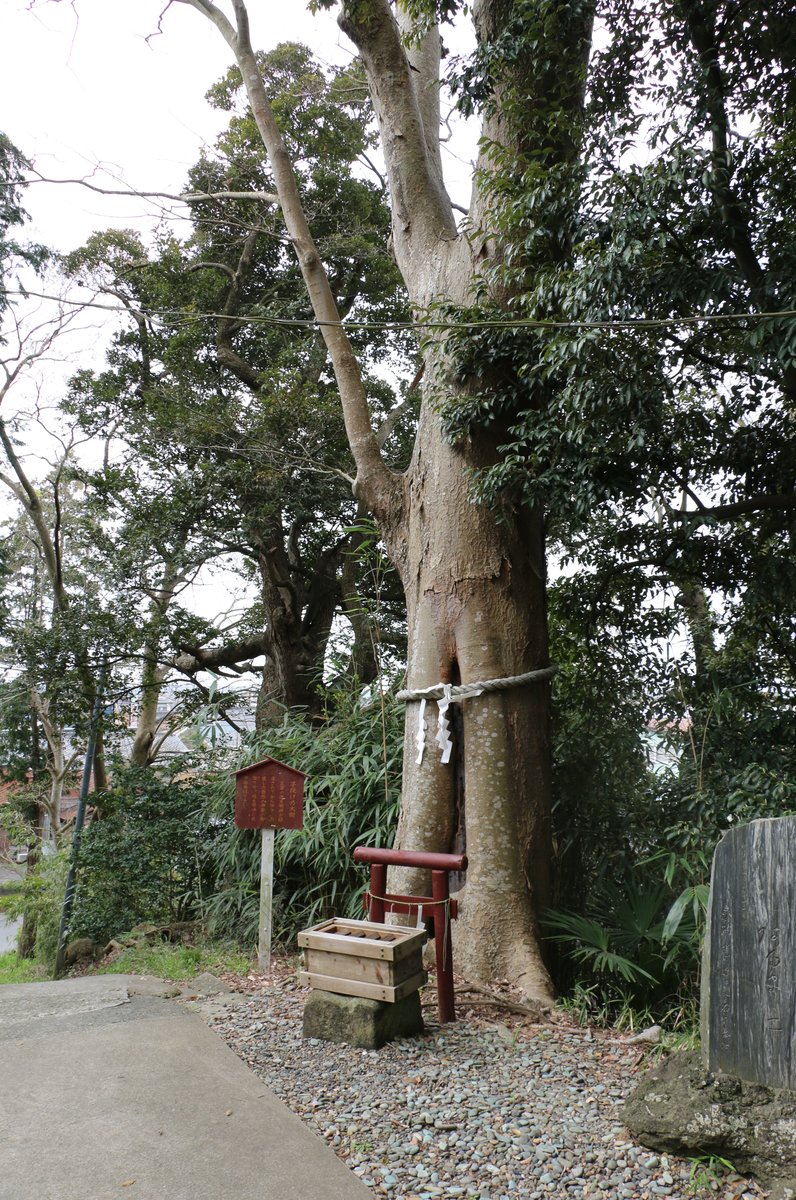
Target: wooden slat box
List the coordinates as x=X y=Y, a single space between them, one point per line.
x=362 y=958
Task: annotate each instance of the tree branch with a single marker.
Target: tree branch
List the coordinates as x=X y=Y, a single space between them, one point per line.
x=227 y=355
x=387 y=427
x=406 y=102
x=738 y=508
x=194 y=658
x=216 y=266
x=29 y=497
x=703 y=39
x=185 y=197
x=374 y=480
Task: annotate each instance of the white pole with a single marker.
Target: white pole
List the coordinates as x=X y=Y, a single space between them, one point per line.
x=266 y=899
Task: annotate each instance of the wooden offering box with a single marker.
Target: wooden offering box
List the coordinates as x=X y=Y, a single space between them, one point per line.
x=361 y=958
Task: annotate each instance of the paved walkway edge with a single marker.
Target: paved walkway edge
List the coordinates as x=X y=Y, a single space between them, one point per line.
x=104 y=1093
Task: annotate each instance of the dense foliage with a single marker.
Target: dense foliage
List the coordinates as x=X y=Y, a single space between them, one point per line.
x=353 y=767
x=142 y=861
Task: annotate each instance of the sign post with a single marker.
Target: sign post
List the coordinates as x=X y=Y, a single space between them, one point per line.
x=268 y=796
x=266 y=901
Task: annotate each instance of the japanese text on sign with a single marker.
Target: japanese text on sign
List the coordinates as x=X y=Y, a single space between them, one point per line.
x=270 y=797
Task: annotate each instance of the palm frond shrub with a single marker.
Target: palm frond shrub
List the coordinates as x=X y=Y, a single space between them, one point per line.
x=626 y=950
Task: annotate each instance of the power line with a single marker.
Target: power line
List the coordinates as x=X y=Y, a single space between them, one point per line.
x=420 y=323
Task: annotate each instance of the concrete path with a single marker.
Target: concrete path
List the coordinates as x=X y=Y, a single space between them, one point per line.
x=108 y=1089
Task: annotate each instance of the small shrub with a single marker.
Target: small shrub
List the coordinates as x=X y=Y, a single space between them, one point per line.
x=625 y=957
x=142 y=861
x=40 y=900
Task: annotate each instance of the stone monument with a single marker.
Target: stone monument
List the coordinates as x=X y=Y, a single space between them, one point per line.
x=737 y=1100
x=749 y=965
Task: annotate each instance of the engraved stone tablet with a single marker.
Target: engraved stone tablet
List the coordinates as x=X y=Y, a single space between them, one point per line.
x=749 y=966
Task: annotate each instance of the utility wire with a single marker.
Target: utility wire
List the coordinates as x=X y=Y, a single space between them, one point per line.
x=421 y=322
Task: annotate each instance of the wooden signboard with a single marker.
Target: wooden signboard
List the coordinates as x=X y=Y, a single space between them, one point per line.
x=269 y=795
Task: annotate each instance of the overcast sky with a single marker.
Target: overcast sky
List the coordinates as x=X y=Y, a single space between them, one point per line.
x=84 y=84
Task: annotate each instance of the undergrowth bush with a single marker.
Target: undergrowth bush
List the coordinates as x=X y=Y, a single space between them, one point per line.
x=353 y=765
x=143 y=860
x=625 y=954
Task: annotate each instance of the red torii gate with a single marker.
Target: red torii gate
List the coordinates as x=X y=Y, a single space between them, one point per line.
x=442 y=908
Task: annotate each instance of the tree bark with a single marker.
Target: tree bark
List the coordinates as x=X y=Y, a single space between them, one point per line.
x=476 y=608
x=152 y=679
x=57 y=765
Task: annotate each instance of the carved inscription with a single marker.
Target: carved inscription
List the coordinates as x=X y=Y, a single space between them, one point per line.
x=773 y=963
x=749 y=1001
x=724 y=981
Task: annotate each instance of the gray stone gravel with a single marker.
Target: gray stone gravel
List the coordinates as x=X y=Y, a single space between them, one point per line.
x=473 y=1110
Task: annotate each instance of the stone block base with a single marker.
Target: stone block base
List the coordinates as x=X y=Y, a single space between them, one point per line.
x=679 y=1107
x=367 y=1024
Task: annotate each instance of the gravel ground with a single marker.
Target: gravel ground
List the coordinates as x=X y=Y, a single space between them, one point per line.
x=493 y=1107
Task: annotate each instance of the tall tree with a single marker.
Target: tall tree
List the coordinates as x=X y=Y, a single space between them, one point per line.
x=241 y=401
x=474 y=580
x=27 y=339
x=45 y=639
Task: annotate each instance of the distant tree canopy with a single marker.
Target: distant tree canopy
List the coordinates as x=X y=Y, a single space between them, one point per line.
x=221 y=385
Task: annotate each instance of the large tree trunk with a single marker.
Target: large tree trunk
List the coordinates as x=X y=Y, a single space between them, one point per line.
x=300 y=614
x=290 y=677
x=476 y=609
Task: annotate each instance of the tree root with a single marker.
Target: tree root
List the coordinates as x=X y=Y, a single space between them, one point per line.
x=485 y=996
